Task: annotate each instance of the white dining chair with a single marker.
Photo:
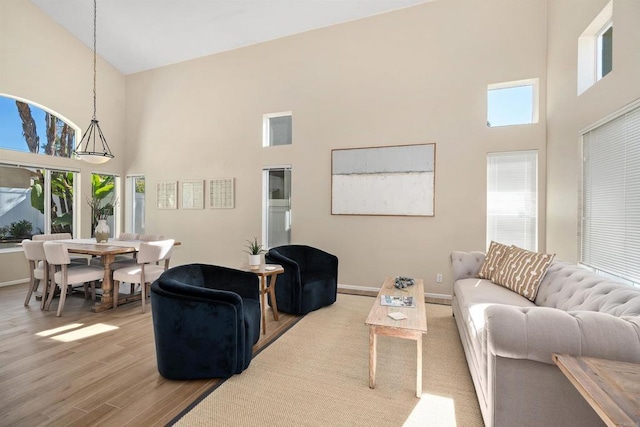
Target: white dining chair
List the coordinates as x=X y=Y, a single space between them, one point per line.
x=128 y=236
x=64 y=275
x=151 y=237
x=52 y=236
x=147 y=270
x=34 y=252
x=61 y=236
x=123 y=260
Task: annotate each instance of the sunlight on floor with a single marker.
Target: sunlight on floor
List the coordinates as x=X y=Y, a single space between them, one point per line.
x=433 y=410
x=50 y=332
x=78 y=334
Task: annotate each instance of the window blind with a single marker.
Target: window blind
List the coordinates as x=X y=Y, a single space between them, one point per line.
x=512 y=198
x=610 y=226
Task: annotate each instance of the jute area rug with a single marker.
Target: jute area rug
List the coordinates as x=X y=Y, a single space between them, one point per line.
x=317 y=374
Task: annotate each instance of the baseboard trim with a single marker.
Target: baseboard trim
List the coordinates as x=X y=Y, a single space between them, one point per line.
x=367 y=290
x=14 y=282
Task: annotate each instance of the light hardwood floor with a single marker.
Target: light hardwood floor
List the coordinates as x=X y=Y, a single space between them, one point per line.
x=88 y=369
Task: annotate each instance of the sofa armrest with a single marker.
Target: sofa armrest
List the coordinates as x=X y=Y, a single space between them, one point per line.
x=466 y=264
x=534 y=333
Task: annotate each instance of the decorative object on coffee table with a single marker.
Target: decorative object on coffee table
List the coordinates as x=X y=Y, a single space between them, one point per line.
x=254 y=250
x=402 y=282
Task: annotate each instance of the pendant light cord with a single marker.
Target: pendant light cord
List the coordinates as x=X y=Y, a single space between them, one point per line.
x=95 y=14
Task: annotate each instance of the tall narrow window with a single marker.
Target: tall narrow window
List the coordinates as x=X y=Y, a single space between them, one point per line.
x=24 y=210
x=610 y=226
x=60 y=192
x=104 y=201
x=276 y=219
x=135 y=204
x=512 y=198
x=277 y=129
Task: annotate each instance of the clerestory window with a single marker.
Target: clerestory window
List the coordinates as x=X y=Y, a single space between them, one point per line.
x=595 y=49
x=29 y=128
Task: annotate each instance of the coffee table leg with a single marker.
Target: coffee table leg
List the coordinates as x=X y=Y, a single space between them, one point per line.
x=372 y=357
x=419 y=367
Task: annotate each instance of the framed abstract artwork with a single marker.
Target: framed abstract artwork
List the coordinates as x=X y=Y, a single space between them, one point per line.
x=394 y=180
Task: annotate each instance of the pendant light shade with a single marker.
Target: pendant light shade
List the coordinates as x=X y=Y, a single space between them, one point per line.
x=93 y=147
x=93 y=151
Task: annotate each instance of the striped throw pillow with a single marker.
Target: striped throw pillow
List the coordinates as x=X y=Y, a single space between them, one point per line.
x=522 y=271
x=492 y=261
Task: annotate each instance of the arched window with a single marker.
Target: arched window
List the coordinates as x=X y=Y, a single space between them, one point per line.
x=30 y=128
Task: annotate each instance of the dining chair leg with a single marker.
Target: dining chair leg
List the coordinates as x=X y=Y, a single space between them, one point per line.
x=33 y=282
x=143 y=296
x=45 y=288
x=93 y=290
x=33 y=287
x=116 y=291
x=86 y=290
x=143 y=288
x=51 y=288
x=63 y=290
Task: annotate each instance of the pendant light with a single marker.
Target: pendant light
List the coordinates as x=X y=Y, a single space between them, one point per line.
x=89 y=149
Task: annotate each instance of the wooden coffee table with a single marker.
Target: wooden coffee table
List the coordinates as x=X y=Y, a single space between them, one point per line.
x=410 y=328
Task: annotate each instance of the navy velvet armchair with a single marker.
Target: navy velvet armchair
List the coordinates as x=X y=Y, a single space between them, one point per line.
x=309 y=281
x=206 y=320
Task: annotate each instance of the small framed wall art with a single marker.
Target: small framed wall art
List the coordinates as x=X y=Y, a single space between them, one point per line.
x=167 y=195
x=221 y=193
x=192 y=194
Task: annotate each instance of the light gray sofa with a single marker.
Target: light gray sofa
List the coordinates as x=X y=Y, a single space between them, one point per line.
x=508 y=340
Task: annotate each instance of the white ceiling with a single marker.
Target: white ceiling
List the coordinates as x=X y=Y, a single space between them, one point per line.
x=138 y=35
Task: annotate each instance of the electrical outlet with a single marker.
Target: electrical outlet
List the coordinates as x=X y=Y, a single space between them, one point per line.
x=439 y=278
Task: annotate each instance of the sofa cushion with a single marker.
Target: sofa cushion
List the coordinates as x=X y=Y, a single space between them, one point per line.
x=522 y=271
x=491 y=264
x=473 y=297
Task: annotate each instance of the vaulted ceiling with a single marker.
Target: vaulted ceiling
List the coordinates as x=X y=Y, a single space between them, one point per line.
x=138 y=35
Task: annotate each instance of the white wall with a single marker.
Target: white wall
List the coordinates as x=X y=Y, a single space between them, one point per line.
x=41 y=62
x=568 y=113
x=413 y=76
x=418 y=75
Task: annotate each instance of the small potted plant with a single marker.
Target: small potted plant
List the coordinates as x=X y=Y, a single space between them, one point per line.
x=254 y=250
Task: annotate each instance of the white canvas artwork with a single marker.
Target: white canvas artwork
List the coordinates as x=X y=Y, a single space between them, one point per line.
x=398 y=180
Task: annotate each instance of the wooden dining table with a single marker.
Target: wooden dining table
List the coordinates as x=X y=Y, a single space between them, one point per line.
x=107 y=252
